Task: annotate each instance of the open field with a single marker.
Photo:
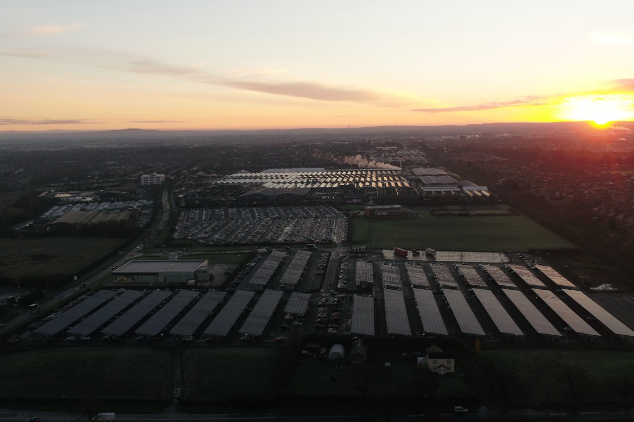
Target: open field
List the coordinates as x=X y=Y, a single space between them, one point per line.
x=229 y=372
x=476 y=233
x=539 y=373
x=53 y=255
x=312 y=377
x=116 y=373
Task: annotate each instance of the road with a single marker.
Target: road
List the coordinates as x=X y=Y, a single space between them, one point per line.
x=480 y=415
x=62 y=297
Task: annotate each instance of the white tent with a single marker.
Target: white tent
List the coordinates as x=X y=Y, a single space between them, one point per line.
x=337 y=351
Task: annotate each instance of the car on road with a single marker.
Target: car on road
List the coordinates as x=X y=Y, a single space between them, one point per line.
x=460 y=409
x=297 y=324
x=280 y=339
x=34 y=419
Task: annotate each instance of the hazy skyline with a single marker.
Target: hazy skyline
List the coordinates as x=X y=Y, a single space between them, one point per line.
x=284 y=64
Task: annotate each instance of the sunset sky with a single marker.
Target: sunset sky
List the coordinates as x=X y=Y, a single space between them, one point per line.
x=88 y=65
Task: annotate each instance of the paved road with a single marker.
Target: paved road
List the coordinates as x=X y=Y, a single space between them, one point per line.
x=45 y=307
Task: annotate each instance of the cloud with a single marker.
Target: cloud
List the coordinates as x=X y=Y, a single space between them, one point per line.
x=155 y=121
x=250 y=82
x=56 y=29
x=623 y=85
x=613 y=37
x=4 y=122
x=527 y=101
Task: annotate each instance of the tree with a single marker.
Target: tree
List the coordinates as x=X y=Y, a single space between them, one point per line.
x=576 y=380
x=426 y=382
x=367 y=376
x=625 y=387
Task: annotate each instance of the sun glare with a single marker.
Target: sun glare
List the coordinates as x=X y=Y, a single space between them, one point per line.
x=599 y=109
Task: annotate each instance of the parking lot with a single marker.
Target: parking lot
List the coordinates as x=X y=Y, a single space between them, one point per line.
x=262 y=225
x=326 y=282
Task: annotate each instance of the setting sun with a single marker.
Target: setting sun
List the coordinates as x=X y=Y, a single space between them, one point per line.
x=599 y=109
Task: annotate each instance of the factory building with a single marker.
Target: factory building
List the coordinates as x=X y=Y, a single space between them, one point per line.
x=171 y=272
x=152 y=179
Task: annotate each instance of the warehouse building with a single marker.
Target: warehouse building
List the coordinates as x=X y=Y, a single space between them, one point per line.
x=152 y=179
x=171 y=272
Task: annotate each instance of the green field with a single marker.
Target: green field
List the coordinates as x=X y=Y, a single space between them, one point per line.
x=116 y=373
x=475 y=233
x=229 y=372
x=539 y=373
x=51 y=255
x=312 y=377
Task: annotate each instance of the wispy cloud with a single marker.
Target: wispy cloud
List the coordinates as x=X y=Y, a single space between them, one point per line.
x=155 y=121
x=246 y=82
x=5 y=122
x=613 y=37
x=623 y=85
x=527 y=101
x=56 y=29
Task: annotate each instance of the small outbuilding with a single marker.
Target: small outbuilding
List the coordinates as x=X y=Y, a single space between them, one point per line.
x=337 y=351
x=358 y=351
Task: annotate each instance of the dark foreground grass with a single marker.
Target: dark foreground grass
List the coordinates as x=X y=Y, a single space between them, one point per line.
x=539 y=374
x=476 y=233
x=216 y=374
x=104 y=372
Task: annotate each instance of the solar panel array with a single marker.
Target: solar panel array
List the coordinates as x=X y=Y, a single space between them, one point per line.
x=188 y=325
x=606 y=318
x=443 y=276
x=128 y=320
x=297 y=303
x=417 y=276
x=395 y=313
x=364 y=273
x=75 y=313
x=295 y=269
x=103 y=315
x=498 y=314
x=568 y=315
x=555 y=277
x=527 y=276
x=363 y=316
x=259 y=317
x=531 y=313
x=390 y=277
x=471 y=276
x=499 y=276
x=463 y=313
x=429 y=312
x=166 y=314
x=267 y=269
x=222 y=323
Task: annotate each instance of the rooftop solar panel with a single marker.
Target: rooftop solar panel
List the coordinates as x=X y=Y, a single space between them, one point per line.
x=224 y=321
x=606 y=318
x=390 y=276
x=128 y=320
x=498 y=314
x=166 y=314
x=429 y=313
x=264 y=273
x=471 y=276
x=188 y=325
x=75 y=313
x=527 y=276
x=572 y=319
x=395 y=313
x=363 y=316
x=103 y=315
x=297 y=303
x=463 y=313
x=531 y=313
x=556 y=278
x=443 y=275
x=499 y=276
x=416 y=275
x=296 y=268
x=259 y=317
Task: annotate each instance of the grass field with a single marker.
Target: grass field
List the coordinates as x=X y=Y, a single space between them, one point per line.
x=229 y=372
x=477 y=233
x=117 y=373
x=538 y=372
x=313 y=377
x=52 y=255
